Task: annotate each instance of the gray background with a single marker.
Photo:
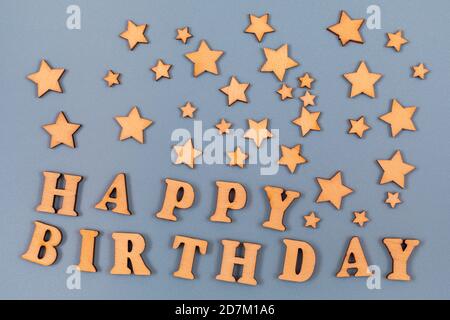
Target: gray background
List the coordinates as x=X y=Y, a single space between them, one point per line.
x=31 y=30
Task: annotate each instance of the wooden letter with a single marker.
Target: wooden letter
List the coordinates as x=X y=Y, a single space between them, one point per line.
x=171 y=201
x=400 y=257
x=224 y=202
x=278 y=206
x=68 y=194
x=128 y=248
x=87 y=251
x=117 y=195
x=187 y=256
x=355 y=252
x=46 y=238
x=248 y=262
x=290 y=261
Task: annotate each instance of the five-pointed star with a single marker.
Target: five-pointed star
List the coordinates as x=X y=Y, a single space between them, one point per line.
x=358 y=127
x=393 y=198
x=399 y=118
x=362 y=81
x=133 y=125
x=134 y=34
x=307 y=121
x=46 y=78
x=237 y=157
x=112 y=78
x=420 y=71
x=186 y=154
x=161 y=70
x=291 y=157
x=347 y=29
x=395 y=170
x=308 y=99
x=311 y=220
x=333 y=190
x=278 y=61
x=257 y=131
x=183 y=34
x=285 y=92
x=204 y=59
x=259 y=26
x=223 y=126
x=396 y=40
x=305 y=81
x=360 y=218
x=61 y=131
x=188 y=110
x=235 y=91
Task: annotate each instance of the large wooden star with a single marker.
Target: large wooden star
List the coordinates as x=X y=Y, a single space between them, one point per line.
x=235 y=91
x=395 y=169
x=278 y=61
x=204 y=59
x=291 y=157
x=362 y=81
x=347 y=29
x=186 y=154
x=333 y=190
x=307 y=121
x=133 y=125
x=399 y=118
x=257 y=131
x=259 y=26
x=46 y=78
x=134 y=34
x=61 y=131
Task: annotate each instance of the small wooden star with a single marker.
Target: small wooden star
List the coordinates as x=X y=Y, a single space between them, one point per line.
x=259 y=26
x=360 y=218
x=161 y=70
x=285 y=92
x=308 y=99
x=347 y=29
x=237 y=157
x=188 y=110
x=223 y=126
x=112 y=78
x=235 y=91
x=395 y=169
x=278 y=61
x=399 y=118
x=358 y=127
x=258 y=131
x=61 y=131
x=311 y=220
x=362 y=81
x=204 y=59
x=307 y=121
x=396 y=40
x=393 y=198
x=183 y=34
x=133 y=125
x=305 y=81
x=186 y=154
x=291 y=157
x=420 y=71
x=134 y=34
x=46 y=79
x=333 y=190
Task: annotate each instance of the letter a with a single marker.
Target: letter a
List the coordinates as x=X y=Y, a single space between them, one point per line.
x=117 y=195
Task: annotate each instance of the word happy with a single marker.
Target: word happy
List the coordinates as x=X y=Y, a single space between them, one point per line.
x=231 y=196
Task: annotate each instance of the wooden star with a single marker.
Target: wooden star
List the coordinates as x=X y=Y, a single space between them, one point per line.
x=358 y=127
x=395 y=170
x=360 y=218
x=61 y=131
x=183 y=34
x=188 y=110
x=305 y=81
x=311 y=220
x=161 y=70
x=347 y=29
x=362 y=81
x=307 y=121
x=285 y=92
x=204 y=59
x=112 y=78
x=46 y=79
x=420 y=71
x=308 y=99
x=291 y=157
x=235 y=91
x=393 y=198
x=399 y=118
x=258 y=131
x=223 y=126
x=186 y=154
x=133 y=125
x=259 y=26
x=333 y=190
x=237 y=158
x=134 y=34
x=278 y=61
x=396 y=40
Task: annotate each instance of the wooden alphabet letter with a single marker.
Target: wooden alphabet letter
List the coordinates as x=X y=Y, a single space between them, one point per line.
x=355 y=252
x=224 y=193
x=87 y=251
x=278 y=205
x=68 y=194
x=172 y=199
x=128 y=248
x=400 y=256
x=290 y=261
x=187 y=256
x=45 y=237
x=116 y=195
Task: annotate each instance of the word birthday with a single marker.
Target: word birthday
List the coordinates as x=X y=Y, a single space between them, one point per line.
x=299 y=259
